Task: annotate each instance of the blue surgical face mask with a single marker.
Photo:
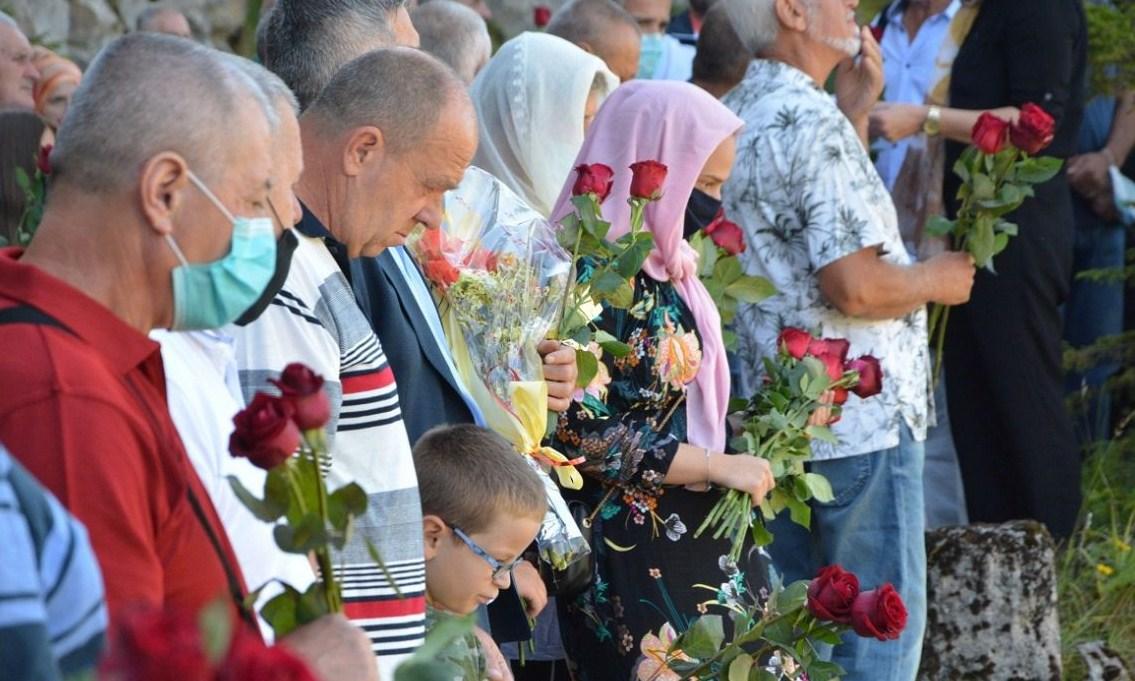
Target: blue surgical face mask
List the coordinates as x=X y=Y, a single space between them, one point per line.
x=652 y=49
x=210 y=295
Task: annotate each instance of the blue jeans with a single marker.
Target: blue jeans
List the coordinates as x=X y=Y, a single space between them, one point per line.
x=874 y=528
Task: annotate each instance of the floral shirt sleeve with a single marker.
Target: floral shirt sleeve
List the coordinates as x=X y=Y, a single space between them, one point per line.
x=628 y=422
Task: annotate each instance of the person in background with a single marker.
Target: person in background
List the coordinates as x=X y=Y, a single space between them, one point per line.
x=662 y=56
x=455 y=34
x=602 y=28
x=481 y=7
x=52 y=611
x=687 y=26
x=58 y=78
x=534 y=103
x=22 y=135
x=163 y=19
x=820 y=225
x=721 y=60
x=18 y=74
x=481 y=507
x=142 y=185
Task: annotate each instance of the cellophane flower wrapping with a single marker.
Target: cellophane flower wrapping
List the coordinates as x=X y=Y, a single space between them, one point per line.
x=500 y=276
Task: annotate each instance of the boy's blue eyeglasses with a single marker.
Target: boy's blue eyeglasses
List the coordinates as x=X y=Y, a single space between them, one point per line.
x=499 y=569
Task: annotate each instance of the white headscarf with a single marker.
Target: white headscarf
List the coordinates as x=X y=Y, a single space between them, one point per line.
x=530 y=102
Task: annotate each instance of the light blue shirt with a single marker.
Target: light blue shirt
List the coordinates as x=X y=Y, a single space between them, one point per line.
x=909 y=68
x=425 y=301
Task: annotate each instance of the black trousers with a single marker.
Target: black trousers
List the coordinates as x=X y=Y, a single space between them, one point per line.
x=1016 y=447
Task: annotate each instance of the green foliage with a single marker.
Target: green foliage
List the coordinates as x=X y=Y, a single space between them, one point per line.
x=724 y=278
x=1111 y=45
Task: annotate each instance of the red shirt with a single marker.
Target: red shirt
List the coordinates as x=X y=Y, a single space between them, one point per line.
x=84 y=409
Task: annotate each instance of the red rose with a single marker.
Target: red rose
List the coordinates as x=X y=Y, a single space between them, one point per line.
x=647 y=179
x=879 y=613
x=870 y=376
x=727 y=235
x=829 y=346
x=249 y=659
x=832 y=363
x=439 y=271
x=304 y=389
x=156 y=645
x=839 y=397
x=877 y=33
x=794 y=341
x=990 y=133
x=541 y=15
x=595 y=178
x=431 y=243
x=1033 y=130
x=831 y=594
x=265 y=431
x=43 y=159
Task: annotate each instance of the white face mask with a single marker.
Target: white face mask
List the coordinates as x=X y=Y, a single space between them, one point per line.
x=1124 y=190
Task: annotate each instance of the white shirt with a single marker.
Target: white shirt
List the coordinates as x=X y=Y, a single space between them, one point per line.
x=909 y=67
x=204 y=394
x=805 y=193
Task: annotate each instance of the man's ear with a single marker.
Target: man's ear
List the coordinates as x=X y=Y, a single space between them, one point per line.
x=364 y=147
x=161 y=189
x=792 y=14
x=586 y=47
x=434 y=531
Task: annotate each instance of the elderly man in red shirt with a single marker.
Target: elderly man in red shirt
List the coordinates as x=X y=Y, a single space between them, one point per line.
x=139 y=233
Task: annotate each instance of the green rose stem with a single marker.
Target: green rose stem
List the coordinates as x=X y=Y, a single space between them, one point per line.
x=316 y=442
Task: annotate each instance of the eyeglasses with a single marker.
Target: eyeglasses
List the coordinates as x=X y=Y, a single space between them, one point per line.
x=499 y=569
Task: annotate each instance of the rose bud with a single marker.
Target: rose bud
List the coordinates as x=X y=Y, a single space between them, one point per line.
x=595 y=178
x=1033 y=130
x=265 y=432
x=870 y=376
x=831 y=594
x=727 y=235
x=541 y=15
x=304 y=389
x=794 y=341
x=877 y=33
x=43 y=159
x=833 y=364
x=830 y=346
x=647 y=179
x=990 y=133
x=839 y=396
x=879 y=613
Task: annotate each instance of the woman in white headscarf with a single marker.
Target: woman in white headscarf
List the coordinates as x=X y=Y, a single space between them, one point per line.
x=534 y=101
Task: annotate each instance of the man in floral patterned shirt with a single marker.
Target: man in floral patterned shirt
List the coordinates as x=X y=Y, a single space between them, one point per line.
x=821 y=226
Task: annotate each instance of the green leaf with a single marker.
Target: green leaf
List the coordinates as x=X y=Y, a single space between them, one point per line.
x=981 y=241
x=267 y=510
x=799 y=511
x=961 y=169
x=630 y=261
x=312 y=604
x=216 y=624
x=938 y=225
x=1007 y=228
x=820 y=487
x=281 y=612
x=794 y=596
x=587 y=365
x=611 y=345
x=707 y=254
x=822 y=433
x=569 y=232
x=304 y=537
x=983 y=187
x=23 y=181
x=751 y=289
x=1038 y=169
x=727 y=270
x=820 y=670
x=739 y=669
x=623 y=296
x=704 y=637
x=345 y=503
x=729 y=338
x=606 y=282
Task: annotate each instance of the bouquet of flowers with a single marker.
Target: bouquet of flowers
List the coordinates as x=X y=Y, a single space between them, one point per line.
x=774 y=634
x=718 y=244
x=778 y=426
x=998 y=172
x=500 y=275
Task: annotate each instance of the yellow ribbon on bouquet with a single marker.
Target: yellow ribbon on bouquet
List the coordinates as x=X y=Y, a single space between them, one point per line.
x=529 y=400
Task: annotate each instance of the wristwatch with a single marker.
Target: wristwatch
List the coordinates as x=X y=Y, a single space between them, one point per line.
x=933 y=123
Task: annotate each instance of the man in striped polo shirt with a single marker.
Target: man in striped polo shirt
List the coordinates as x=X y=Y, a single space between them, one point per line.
x=391 y=132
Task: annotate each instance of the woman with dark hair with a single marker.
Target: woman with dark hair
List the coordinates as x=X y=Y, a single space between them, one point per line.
x=22 y=133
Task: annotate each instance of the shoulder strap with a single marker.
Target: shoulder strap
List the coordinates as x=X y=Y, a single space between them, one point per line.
x=26 y=314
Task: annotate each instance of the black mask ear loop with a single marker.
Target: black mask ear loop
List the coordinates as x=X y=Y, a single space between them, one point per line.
x=285 y=247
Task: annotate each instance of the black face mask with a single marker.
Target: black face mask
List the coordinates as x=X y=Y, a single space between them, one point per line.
x=701 y=209
x=285 y=247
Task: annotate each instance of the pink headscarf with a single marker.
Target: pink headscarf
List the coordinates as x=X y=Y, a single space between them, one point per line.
x=679 y=125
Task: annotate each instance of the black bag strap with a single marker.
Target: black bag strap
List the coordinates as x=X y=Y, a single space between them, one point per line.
x=26 y=314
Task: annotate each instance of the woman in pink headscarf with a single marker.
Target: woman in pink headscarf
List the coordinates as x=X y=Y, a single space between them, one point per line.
x=651 y=426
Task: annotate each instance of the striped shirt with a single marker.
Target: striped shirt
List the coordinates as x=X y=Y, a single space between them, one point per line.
x=52 y=611
x=315 y=320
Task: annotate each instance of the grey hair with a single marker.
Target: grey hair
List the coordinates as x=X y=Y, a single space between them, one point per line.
x=146 y=93
x=401 y=91
x=310 y=40
x=150 y=14
x=455 y=34
x=588 y=21
x=271 y=86
x=8 y=20
x=754 y=21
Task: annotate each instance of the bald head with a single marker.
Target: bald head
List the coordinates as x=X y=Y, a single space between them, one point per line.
x=602 y=28
x=455 y=34
x=131 y=106
x=164 y=19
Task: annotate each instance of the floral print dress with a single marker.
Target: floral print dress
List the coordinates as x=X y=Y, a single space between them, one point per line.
x=627 y=425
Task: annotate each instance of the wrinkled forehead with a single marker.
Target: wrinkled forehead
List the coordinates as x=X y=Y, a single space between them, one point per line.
x=12 y=39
